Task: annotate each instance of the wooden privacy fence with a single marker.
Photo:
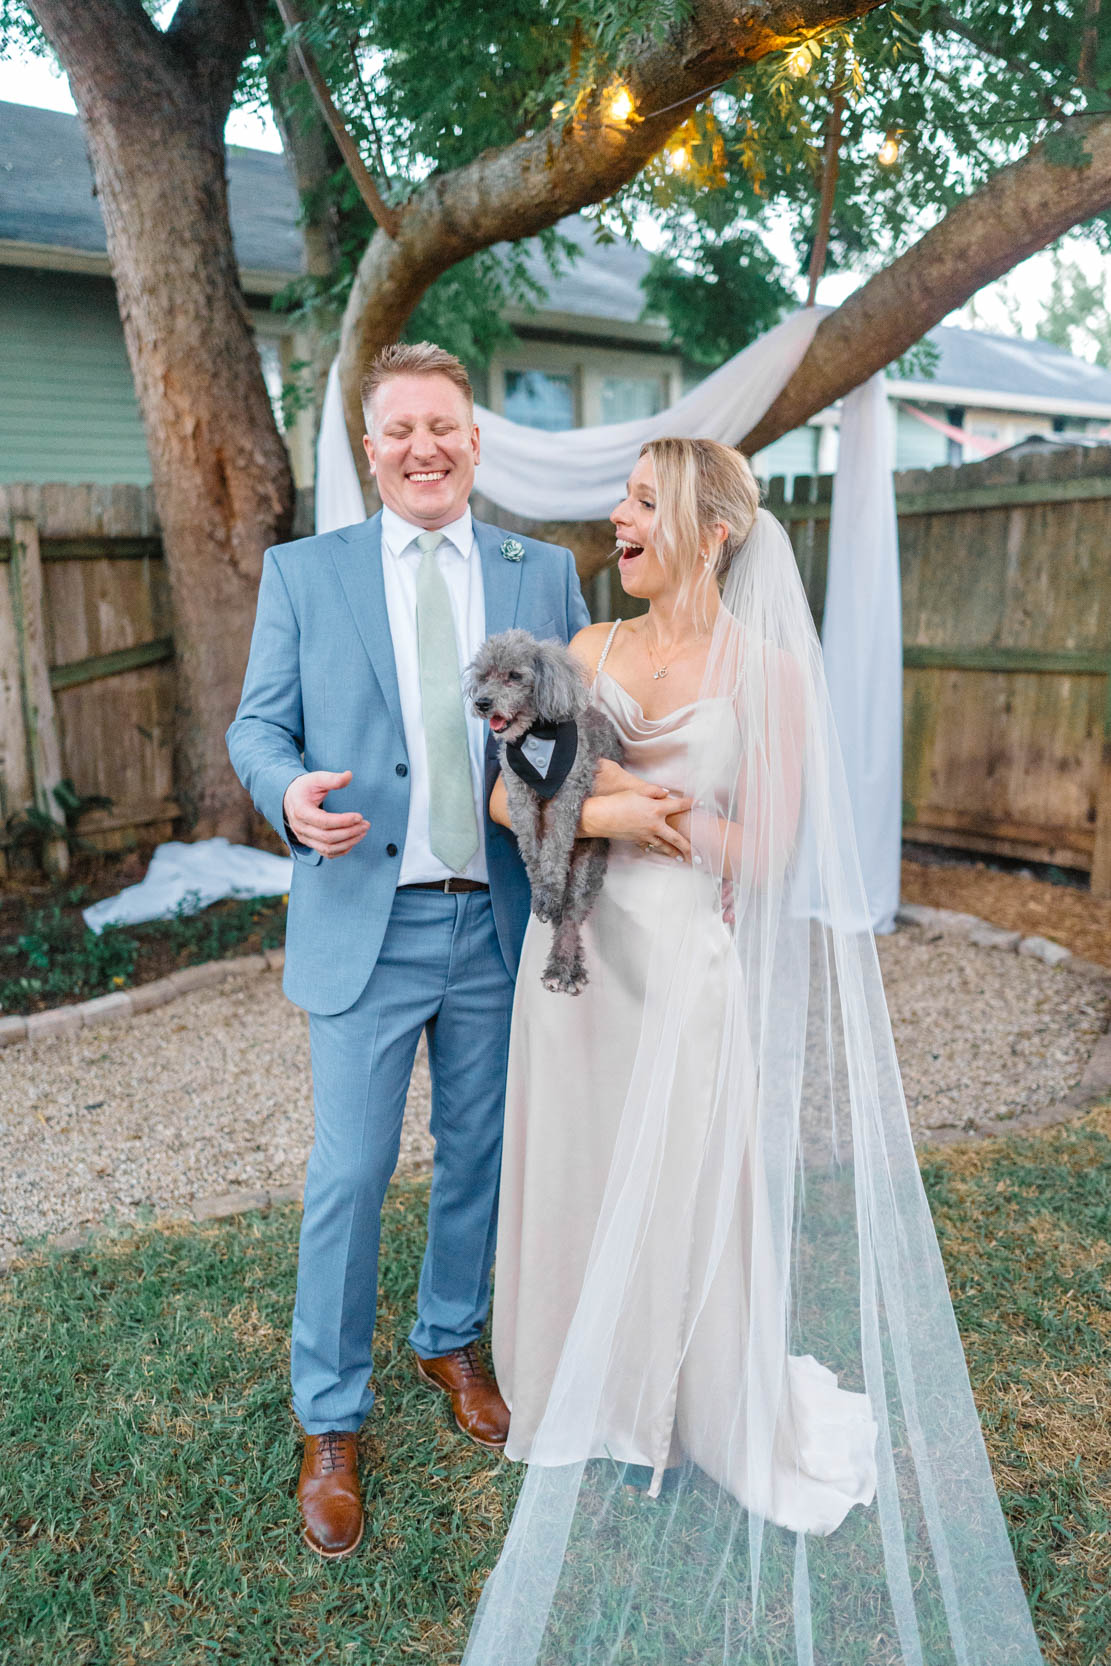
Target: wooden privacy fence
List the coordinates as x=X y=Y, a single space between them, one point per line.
x=86 y=651
x=1006 y=576
x=1006 y=569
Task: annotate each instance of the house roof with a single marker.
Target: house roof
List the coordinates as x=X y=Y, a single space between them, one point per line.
x=1008 y=373
x=47 y=202
x=49 y=214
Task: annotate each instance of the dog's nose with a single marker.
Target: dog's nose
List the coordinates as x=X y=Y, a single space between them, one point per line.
x=483 y=706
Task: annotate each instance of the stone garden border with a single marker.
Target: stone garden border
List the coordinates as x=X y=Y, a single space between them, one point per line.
x=126 y=1003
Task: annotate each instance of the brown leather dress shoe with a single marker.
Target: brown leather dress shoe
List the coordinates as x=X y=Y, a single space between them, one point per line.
x=328 y=1493
x=479 y=1409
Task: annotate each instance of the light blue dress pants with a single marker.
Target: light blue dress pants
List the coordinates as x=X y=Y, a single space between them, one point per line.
x=440 y=970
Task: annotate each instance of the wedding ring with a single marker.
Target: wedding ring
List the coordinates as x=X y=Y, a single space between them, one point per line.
x=652 y=846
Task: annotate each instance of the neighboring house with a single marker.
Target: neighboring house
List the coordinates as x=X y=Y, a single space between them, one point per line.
x=68 y=410
x=985 y=393
x=67 y=405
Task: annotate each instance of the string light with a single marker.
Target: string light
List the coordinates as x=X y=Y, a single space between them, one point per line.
x=888 y=153
x=619 y=104
x=679 y=157
x=558 y=108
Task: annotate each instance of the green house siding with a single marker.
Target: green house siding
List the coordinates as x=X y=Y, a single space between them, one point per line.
x=68 y=410
x=918 y=446
x=793 y=453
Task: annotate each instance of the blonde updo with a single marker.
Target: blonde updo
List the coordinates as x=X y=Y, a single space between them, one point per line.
x=700 y=483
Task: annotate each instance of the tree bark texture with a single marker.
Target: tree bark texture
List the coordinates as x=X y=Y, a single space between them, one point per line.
x=527 y=186
x=153 y=108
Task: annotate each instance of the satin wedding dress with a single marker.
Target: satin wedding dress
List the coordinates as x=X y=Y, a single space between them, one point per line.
x=569 y=1069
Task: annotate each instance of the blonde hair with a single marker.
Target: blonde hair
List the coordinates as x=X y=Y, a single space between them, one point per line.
x=413 y=358
x=698 y=484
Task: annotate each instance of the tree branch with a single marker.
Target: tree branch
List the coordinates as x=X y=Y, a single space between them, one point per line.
x=213 y=36
x=527 y=186
x=1021 y=209
x=385 y=217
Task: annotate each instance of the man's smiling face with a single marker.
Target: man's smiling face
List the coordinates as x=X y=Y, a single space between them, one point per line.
x=423 y=447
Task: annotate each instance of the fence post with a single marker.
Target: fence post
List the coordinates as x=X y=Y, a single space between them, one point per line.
x=34 y=672
x=1101 y=853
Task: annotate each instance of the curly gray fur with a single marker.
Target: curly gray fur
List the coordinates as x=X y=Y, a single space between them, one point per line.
x=515 y=681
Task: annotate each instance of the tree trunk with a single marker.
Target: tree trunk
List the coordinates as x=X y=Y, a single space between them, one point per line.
x=153 y=108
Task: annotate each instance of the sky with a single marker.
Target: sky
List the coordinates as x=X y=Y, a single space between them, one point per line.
x=1023 y=292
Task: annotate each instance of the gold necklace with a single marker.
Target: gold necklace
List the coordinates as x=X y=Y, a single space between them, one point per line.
x=658 y=669
x=662 y=670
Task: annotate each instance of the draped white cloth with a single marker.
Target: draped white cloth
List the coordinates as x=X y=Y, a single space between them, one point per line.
x=579 y=474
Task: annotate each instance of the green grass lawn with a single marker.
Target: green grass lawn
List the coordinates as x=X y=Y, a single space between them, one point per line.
x=149 y=1455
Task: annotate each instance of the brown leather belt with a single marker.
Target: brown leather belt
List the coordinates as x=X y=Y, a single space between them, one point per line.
x=449 y=885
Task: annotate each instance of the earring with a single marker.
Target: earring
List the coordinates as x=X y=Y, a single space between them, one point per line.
x=705 y=559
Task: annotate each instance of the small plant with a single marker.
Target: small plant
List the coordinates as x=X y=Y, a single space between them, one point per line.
x=56 y=958
x=60 y=962
x=37 y=829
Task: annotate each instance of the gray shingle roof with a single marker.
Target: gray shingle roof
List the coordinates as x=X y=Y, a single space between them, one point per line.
x=46 y=193
x=604 y=282
x=974 y=359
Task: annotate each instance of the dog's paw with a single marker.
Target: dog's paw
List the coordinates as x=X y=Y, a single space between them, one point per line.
x=563 y=983
x=545 y=903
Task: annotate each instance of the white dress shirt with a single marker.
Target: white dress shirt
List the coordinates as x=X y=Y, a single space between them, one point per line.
x=461 y=566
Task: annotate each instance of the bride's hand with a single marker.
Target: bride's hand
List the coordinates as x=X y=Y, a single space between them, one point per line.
x=640 y=815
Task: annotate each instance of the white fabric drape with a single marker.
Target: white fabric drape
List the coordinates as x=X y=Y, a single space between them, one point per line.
x=862 y=641
x=580 y=473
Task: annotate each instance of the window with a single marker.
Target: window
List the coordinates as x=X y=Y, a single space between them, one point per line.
x=629 y=398
x=540 y=398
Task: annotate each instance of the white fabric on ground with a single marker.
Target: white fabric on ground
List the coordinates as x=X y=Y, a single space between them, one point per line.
x=209 y=870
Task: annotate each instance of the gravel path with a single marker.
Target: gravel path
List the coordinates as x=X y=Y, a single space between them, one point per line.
x=211 y=1094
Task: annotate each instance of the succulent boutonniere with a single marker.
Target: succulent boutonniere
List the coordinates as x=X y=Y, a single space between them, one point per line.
x=512 y=549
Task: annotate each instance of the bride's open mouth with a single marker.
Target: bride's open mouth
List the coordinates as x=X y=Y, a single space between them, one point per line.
x=628 y=552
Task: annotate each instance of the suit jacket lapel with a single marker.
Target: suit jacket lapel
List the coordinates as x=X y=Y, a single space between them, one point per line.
x=357 y=555
x=501 y=579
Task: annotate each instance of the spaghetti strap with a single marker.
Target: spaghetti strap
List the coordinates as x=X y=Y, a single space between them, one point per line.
x=606 y=649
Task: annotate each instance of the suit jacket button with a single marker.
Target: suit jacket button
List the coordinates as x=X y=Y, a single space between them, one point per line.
x=391 y=850
x=401 y=769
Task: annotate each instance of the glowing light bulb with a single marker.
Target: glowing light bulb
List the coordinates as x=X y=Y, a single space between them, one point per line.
x=680 y=157
x=799 y=60
x=619 y=104
x=558 y=108
x=888 y=153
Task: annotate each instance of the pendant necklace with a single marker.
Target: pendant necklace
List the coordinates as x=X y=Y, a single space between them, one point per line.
x=658 y=669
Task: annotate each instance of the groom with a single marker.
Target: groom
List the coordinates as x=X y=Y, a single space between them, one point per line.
x=408 y=905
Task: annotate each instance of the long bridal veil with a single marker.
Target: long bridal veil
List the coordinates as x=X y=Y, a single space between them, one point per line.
x=760 y=1445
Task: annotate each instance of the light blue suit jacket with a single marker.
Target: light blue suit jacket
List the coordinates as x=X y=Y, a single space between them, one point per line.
x=321 y=693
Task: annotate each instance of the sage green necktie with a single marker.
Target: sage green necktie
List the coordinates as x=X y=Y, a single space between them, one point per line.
x=452 y=826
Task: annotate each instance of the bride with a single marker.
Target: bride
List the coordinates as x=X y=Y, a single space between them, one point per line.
x=716 y=1272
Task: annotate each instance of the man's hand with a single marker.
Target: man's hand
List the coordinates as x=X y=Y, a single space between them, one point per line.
x=322 y=830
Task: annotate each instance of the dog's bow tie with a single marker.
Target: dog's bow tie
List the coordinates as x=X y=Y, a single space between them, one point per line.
x=543 y=756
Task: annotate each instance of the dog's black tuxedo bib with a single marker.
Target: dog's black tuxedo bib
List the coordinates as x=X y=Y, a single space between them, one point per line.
x=543 y=756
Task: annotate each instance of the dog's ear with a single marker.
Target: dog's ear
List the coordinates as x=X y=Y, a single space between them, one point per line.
x=559 y=688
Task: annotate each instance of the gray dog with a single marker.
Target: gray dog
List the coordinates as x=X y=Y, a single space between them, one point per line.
x=550 y=739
